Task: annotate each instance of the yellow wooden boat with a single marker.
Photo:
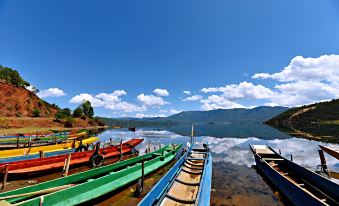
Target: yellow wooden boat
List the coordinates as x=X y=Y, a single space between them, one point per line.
x=48 y=148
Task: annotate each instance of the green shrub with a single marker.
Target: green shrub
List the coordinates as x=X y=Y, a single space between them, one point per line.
x=92 y=122
x=36 y=113
x=78 y=112
x=69 y=122
x=41 y=103
x=83 y=117
x=62 y=114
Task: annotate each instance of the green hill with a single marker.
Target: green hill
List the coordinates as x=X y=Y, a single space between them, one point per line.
x=320 y=120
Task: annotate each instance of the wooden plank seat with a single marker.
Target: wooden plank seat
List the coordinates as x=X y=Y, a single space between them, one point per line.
x=193 y=167
x=188 y=183
x=192 y=172
x=194 y=158
x=194 y=163
x=181 y=200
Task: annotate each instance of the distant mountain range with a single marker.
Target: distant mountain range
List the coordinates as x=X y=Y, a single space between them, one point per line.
x=219 y=116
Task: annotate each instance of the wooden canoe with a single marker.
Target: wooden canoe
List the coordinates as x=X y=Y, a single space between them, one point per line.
x=49 y=148
x=188 y=182
x=300 y=185
x=36 y=141
x=4 y=146
x=332 y=152
x=34 y=156
x=56 y=162
x=93 y=183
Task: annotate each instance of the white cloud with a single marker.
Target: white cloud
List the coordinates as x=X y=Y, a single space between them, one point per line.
x=151 y=100
x=187 y=92
x=305 y=81
x=126 y=107
x=171 y=111
x=193 y=98
x=241 y=91
x=323 y=68
x=161 y=92
x=87 y=97
x=174 y=111
x=232 y=93
x=218 y=102
x=110 y=101
x=302 y=81
x=141 y=115
x=51 y=92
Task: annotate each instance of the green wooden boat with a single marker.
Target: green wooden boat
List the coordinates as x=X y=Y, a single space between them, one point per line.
x=93 y=183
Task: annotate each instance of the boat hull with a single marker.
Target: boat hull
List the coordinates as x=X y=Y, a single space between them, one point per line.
x=56 y=162
x=295 y=195
x=300 y=185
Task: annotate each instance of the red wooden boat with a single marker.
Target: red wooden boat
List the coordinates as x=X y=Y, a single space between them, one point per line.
x=56 y=162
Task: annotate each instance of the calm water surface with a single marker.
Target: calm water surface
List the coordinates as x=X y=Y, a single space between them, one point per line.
x=235 y=181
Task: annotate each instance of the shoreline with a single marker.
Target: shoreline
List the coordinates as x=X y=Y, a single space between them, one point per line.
x=12 y=131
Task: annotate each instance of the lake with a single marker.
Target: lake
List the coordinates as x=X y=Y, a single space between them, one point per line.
x=235 y=181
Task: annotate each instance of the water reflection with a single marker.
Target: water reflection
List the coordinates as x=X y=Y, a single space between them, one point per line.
x=231 y=150
x=236 y=151
x=234 y=182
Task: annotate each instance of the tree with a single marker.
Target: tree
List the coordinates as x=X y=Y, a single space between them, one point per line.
x=78 y=112
x=12 y=76
x=62 y=114
x=67 y=112
x=87 y=108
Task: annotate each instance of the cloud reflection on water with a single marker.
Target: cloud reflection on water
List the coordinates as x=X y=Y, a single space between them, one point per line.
x=231 y=150
x=236 y=151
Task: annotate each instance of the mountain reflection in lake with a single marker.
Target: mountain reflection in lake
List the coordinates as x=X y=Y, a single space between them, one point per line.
x=235 y=182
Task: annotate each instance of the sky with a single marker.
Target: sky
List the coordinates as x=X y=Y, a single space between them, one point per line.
x=156 y=58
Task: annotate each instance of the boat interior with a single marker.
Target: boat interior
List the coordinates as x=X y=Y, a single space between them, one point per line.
x=185 y=187
x=281 y=166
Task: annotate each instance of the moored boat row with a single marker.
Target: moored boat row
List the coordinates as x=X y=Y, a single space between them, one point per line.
x=83 y=187
x=87 y=186
x=48 y=148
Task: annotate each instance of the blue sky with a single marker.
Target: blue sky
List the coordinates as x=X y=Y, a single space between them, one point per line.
x=217 y=50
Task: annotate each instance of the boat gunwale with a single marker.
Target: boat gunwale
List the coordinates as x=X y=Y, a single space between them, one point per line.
x=305 y=191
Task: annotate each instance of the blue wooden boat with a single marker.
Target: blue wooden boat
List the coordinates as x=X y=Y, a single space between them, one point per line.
x=300 y=185
x=188 y=182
